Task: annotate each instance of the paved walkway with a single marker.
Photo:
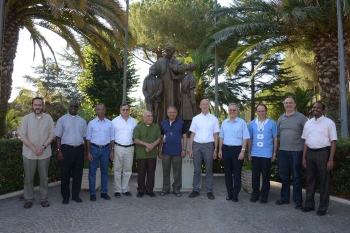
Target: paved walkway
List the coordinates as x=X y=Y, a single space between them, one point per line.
x=169 y=214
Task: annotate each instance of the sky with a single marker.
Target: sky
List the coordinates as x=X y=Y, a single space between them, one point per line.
x=25 y=59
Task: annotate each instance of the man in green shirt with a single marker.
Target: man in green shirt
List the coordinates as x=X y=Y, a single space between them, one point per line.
x=146 y=137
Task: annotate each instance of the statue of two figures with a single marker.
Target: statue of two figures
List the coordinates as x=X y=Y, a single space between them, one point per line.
x=170 y=83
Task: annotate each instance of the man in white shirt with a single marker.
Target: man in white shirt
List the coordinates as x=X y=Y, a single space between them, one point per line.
x=320 y=136
x=123 y=150
x=204 y=141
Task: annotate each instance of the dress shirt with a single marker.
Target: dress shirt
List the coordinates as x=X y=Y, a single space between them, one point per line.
x=319 y=133
x=100 y=132
x=204 y=126
x=234 y=132
x=37 y=131
x=71 y=130
x=123 y=130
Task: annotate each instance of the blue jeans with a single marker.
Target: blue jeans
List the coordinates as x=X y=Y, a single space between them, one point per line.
x=290 y=163
x=99 y=155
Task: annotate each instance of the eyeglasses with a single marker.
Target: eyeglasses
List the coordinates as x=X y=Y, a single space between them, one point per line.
x=125 y=110
x=73 y=106
x=232 y=110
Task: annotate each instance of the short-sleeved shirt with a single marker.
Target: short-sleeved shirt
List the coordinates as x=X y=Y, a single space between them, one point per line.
x=149 y=134
x=262 y=137
x=290 y=129
x=100 y=132
x=123 y=130
x=319 y=133
x=71 y=130
x=172 y=136
x=37 y=131
x=234 y=132
x=204 y=127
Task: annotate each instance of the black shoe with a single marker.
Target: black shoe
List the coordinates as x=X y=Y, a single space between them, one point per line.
x=321 y=212
x=307 y=209
x=128 y=194
x=280 y=202
x=139 y=194
x=253 y=199
x=151 y=194
x=263 y=201
x=210 y=196
x=105 y=196
x=228 y=198
x=235 y=199
x=298 y=206
x=117 y=194
x=77 y=199
x=193 y=194
x=93 y=198
x=163 y=193
x=65 y=201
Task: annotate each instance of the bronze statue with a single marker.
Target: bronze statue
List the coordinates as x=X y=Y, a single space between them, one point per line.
x=169 y=70
x=152 y=89
x=188 y=100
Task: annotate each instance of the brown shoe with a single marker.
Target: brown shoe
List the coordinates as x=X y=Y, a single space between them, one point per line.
x=28 y=205
x=45 y=204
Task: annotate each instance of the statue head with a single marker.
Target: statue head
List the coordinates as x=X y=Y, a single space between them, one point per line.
x=153 y=70
x=170 y=50
x=191 y=66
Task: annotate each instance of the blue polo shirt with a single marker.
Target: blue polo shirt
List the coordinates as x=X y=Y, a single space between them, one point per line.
x=172 y=136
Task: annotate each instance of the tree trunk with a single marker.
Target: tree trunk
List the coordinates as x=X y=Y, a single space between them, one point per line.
x=9 y=48
x=327 y=72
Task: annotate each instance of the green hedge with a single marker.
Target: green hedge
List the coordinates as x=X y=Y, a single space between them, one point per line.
x=11 y=166
x=12 y=174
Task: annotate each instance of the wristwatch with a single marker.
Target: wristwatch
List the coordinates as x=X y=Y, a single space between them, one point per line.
x=58 y=149
x=44 y=146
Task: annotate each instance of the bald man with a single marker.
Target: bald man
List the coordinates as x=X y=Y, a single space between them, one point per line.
x=146 y=137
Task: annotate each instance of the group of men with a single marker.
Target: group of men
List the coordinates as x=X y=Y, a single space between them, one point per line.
x=302 y=143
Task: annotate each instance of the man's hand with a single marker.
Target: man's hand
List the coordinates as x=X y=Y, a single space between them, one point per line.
x=304 y=163
x=160 y=155
x=90 y=157
x=214 y=154
x=249 y=157
x=191 y=154
x=183 y=154
x=111 y=155
x=220 y=154
x=38 y=151
x=60 y=155
x=273 y=158
x=330 y=165
x=241 y=155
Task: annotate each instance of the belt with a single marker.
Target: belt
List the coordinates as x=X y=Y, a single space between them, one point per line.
x=123 y=145
x=73 y=147
x=203 y=143
x=231 y=146
x=319 y=149
x=103 y=146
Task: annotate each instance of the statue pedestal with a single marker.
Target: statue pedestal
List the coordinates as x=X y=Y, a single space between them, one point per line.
x=187 y=173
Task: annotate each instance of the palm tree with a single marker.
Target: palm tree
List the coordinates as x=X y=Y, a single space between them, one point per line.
x=94 y=21
x=288 y=24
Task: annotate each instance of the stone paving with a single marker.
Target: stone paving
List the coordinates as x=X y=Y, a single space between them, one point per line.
x=168 y=214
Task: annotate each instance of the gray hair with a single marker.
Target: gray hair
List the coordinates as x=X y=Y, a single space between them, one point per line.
x=100 y=104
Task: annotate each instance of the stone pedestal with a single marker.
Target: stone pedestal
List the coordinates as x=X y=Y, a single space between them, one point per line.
x=85 y=179
x=187 y=173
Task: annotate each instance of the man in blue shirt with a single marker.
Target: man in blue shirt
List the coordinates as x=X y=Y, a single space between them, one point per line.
x=233 y=141
x=262 y=151
x=171 y=150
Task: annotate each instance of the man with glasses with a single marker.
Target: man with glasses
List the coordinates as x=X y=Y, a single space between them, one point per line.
x=234 y=136
x=100 y=147
x=36 y=132
x=70 y=135
x=124 y=126
x=290 y=127
x=171 y=151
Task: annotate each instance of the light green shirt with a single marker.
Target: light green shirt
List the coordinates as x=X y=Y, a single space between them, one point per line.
x=147 y=134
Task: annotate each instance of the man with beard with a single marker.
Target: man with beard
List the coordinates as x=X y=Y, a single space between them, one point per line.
x=70 y=135
x=320 y=137
x=36 y=132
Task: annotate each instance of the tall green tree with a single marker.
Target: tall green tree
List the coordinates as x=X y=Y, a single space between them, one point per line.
x=291 y=24
x=158 y=23
x=69 y=19
x=100 y=85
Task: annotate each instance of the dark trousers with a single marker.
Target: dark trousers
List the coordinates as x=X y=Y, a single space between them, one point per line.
x=71 y=166
x=316 y=165
x=290 y=163
x=146 y=167
x=261 y=166
x=232 y=166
